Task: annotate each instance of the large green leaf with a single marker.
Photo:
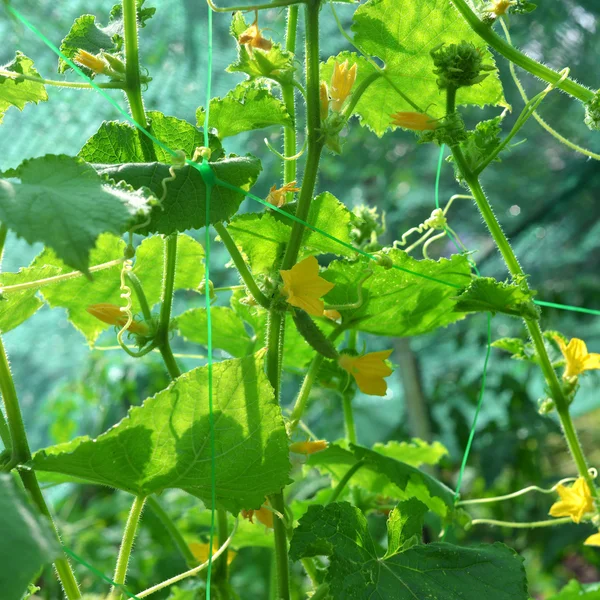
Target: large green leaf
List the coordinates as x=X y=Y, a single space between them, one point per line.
x=27 y=542
x=77 y=294
x=401 y=33
x=275 y=63
x=385 y=476
x=62 y=202
x=18 y=93
x=165 y=442
x=437 y=571
x=397 y=303
x=414 y=453
x=184 y=206
x=116 y=142
x=18 y=306
x=250 y=105
x=262 y=237
x=228 y=331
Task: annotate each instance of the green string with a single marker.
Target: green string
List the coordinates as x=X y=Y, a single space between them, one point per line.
x=98 y=573
x=488 y=350
x=208 y=178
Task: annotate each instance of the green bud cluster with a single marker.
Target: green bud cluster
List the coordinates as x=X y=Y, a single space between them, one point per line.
x=458 y=65
x=592 y=112
x=451 y=131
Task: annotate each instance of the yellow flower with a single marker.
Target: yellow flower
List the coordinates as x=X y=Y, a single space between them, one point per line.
x=342 y=80
x=368 y=371
x=303 y=287
x=308 y=447
x=112 y=314
x=499 y=7
x=91 y=61
x=593 y=540
x=324 y=100
x=575 y=501
x=263 y=514
x=276 y=196
x=253 y=38
x=413 y=120
x=200 y=551
x=577 y=357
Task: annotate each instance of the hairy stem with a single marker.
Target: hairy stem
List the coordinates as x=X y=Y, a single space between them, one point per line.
x=273 y=4
x=127 y=545
x=281 y=550
x=349 y=427
x=289 y=99
x=162 y=334
x=22 y=454
x=562 y=406
x=240 y=265
x=132 y=62
x=110 y=85
x=313 y=123
x=136 y=284
x=486 y=33
x=221 y=570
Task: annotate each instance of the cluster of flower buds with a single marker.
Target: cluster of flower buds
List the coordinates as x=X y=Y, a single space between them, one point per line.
x=459 y=65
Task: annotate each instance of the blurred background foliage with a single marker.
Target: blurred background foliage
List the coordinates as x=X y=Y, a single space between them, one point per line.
x=545 y=195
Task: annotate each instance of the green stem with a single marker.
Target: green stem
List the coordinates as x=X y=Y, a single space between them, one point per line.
x=240 y=265
x=281 y=550
x=561 y=402
x=162 y=334
x=22 y=454
x=358 y=92
x=171 y=528
x=349 y=418
x=220 y=576
x=4 y=430
x=313 y=124
x=450 y=100
x=522 y=525
x=275 y=322
x=110 y=85
x=273 y=4
x=132 y=62
x=339 y=488
x=289 y=98
x=127 y=545
x=513 y=55
x=136 y=284
x=38 y=283
x=304 y=393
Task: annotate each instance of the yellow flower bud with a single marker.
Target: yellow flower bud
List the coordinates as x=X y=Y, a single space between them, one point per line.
x=94 y=62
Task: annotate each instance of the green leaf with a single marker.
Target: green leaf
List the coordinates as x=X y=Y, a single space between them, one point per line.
x=396 y=303
x=27 y=542
x=249 y=106
x=18 y=93
x=401 y=33
x=385 y=476
x=262 y=237
x=414 y=453
x=575 y=590
x=485 y=294
x=228 y=331
x=62 y=202
x=18 y=306
x=405 y=526
x=86 y=34
x=164 y=443
x=437 y=571
x=77 y=294
x=116 y=142
x=184 y=206
x=275 y=63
